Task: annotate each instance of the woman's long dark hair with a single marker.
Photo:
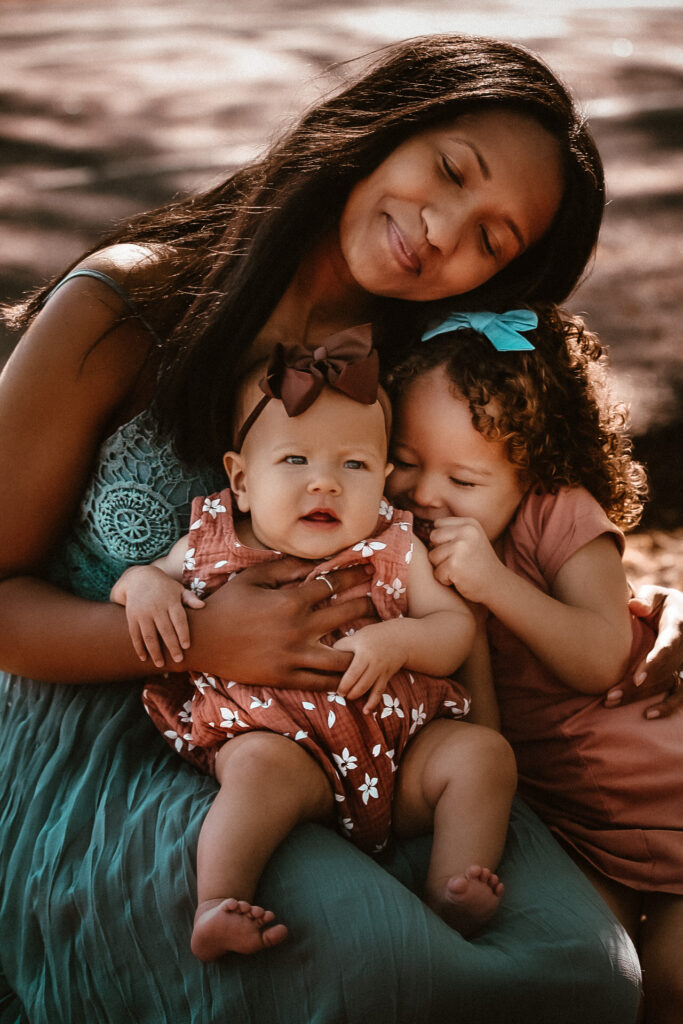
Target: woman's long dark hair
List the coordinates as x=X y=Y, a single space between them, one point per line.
x=234 y=249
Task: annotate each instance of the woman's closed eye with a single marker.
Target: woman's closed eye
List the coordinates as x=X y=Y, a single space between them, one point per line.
x=462 y=483
x=487 y=243
x=451 y=171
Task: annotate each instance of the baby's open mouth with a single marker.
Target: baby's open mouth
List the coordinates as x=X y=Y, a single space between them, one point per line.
x=320 y=515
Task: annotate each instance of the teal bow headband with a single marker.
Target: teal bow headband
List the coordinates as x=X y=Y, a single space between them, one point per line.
x=502 y=329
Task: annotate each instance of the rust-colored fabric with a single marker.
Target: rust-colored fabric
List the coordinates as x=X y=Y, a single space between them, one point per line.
x=606 y=780
x=359 y=753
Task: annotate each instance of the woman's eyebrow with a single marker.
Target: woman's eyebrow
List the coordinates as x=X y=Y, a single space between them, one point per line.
x=484 y=167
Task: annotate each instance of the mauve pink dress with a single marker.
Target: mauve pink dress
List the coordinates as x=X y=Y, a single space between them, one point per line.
x=607 y=781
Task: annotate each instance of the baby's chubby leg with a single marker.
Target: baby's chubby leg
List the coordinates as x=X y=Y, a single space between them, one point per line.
x=459 y=779
x=268 y=785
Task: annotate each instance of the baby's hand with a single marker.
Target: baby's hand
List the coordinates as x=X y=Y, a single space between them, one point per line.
x=154 y=612
x=462 y=557
x=376 y=658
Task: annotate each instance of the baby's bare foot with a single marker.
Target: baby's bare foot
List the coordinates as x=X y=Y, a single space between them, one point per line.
x=468 y=901
x=233 y=926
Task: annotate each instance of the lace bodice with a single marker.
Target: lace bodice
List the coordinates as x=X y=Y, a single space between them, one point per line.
x=135 y=506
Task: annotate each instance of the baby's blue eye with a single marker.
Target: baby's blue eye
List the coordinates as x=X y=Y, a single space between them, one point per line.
x=296 y=460
x=354 y=464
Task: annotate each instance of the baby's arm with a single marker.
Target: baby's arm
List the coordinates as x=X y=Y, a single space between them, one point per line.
x=476 y=675
x=581 y=632
x=435 y=637
x=154 y=599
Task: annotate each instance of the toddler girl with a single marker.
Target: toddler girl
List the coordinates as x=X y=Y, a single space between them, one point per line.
x=307 y=477
x=515 y=464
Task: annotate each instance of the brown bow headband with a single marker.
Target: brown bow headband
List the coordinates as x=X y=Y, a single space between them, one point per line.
x=346 y=362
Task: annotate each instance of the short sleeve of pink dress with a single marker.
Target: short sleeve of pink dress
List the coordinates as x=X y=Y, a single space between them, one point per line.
x=358 y=753
x=607 y=781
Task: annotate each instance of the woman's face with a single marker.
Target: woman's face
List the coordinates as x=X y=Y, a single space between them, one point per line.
x=452 y=206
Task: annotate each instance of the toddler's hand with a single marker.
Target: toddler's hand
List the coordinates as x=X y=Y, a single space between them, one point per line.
x=462 y=557
x=376 y=658
x=155 y=611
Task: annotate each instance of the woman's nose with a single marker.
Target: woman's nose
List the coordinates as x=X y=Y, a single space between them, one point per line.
x=445 y=224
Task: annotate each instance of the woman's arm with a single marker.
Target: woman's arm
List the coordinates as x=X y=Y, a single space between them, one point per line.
x=72 y=377
x=61 y=388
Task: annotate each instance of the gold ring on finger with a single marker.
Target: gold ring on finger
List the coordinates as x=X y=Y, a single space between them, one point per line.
x=325 y=580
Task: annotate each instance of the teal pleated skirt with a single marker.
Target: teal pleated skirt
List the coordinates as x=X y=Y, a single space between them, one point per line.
x=98 y=833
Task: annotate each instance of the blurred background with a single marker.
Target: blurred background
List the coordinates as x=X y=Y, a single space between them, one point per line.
x=107 y=108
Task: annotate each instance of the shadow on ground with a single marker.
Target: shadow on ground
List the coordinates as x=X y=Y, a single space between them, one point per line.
x=108 y=109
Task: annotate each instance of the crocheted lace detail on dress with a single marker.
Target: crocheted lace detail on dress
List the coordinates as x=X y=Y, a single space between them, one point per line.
x=136 y=505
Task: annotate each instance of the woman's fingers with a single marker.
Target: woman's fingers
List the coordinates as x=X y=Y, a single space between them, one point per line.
x=669 y=705
x=663 y=608
x=277 y=573
x=338 y=614
x=334 y=584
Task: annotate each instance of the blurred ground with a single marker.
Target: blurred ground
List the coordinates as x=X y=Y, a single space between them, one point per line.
x=107 y=108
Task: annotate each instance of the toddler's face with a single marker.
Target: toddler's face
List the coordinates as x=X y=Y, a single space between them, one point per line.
x=313 y=483
x=444 y=466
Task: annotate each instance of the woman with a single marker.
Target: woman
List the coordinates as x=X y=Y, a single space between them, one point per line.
x=454 y=167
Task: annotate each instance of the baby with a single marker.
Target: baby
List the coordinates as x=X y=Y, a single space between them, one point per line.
x=307 y=474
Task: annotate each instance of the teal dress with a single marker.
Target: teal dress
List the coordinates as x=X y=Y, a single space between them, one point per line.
x=99 y=822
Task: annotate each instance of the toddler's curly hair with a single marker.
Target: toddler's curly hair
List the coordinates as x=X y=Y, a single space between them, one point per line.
x=552 y=408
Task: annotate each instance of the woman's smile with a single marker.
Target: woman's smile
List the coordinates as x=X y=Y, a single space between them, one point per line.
x=405 y=255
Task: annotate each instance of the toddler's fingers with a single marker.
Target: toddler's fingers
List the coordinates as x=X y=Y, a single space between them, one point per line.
x=190 y=599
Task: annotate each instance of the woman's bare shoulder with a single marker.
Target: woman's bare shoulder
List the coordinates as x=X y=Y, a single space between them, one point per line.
x=128 y=263
x=77 y=371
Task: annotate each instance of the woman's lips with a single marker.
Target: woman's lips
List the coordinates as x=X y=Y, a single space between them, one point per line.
x=401 y=248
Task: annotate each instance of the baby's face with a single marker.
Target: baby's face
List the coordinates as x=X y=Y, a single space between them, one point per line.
x=444 y=466
x=313 y=483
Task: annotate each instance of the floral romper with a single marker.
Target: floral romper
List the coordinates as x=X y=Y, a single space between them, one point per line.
x=358 y=753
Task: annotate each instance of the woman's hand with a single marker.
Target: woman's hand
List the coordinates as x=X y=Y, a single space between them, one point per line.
x=264 y=627
x=659 y=671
